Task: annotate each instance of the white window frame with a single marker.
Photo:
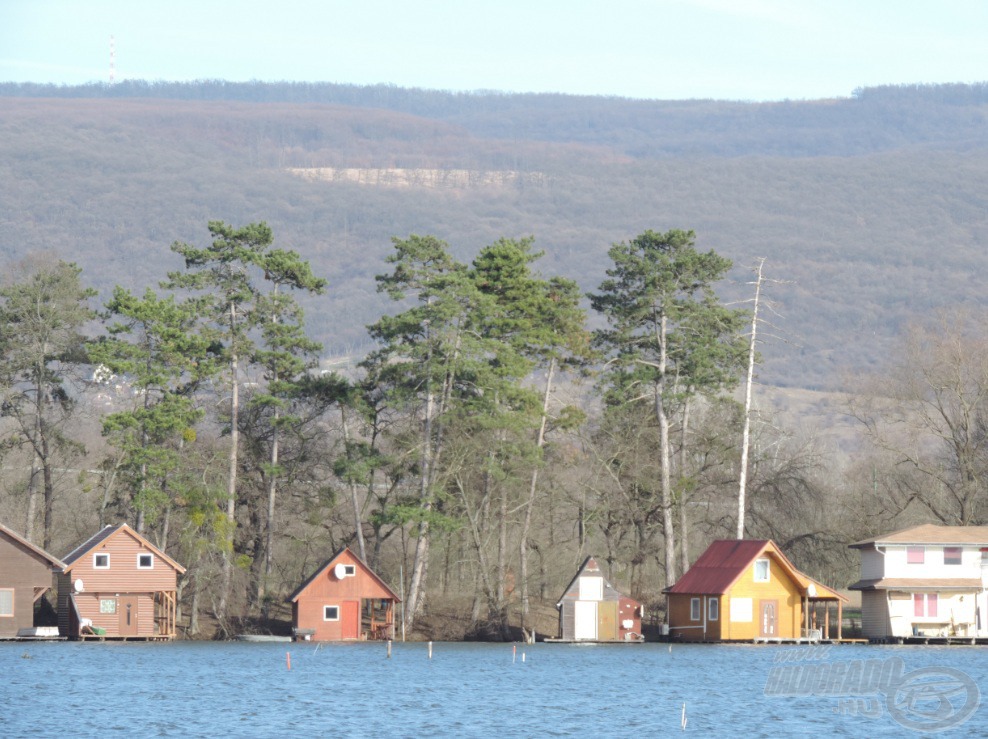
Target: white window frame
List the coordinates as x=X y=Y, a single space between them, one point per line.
x=349 y=570
x=696 y=611
x=768 y=570
x=143 y=567
x=97 y=565
x=326 y=616
x=713 y=609
x=12 y=608
x=108 y=600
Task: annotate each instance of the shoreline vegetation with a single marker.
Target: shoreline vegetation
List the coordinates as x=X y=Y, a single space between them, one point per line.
x=381 y=367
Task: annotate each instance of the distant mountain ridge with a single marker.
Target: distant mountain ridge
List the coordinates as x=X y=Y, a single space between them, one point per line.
x=893 y=116
x=874 y=208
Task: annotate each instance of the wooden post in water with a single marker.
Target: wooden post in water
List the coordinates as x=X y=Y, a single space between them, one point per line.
x=430 y=650
x=389 y=649
x=288 y=660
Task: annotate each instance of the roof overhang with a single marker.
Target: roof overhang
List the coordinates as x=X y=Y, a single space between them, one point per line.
x=907 y=583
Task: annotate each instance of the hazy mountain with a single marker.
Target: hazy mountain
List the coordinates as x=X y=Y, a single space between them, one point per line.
x=872 y=209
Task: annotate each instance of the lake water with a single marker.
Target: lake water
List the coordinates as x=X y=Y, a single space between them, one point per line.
x=247 y=690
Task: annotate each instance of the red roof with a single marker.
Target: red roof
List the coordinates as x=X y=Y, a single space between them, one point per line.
x=718 y=567
x=726 y=560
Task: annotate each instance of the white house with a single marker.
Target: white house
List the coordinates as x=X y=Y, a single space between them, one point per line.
x=925 y=581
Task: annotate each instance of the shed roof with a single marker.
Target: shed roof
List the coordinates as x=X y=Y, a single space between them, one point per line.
x=725 y=560
x=919 y=583
x=17 y=538
x=330 y=562
x=107 y=533
x=930 y=534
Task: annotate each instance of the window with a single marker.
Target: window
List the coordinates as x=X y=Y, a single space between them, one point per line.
x=145 y=561
x=695 y=609
x=741 y=610
x=331 y=613
x=915 y=555
x=951 y=555
x=6 y=603
x=591 y=588
x=713 y=609
x=925 y=605
x=107 y=605
x=762 y=570
x=349 y=570
x=101 y=561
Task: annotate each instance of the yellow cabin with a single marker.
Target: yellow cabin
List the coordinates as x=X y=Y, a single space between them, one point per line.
x=748 y=590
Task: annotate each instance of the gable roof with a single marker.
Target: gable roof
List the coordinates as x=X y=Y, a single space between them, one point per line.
x=589 y=566
x=107 y=533
x=930 y=534
x=301 y=588
x=18 y=539
x=719 y=567
x=725 y=560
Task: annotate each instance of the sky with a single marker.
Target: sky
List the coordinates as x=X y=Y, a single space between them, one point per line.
x=650 y=49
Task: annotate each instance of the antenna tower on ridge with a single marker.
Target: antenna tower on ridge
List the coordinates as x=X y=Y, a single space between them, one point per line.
x=113 y=59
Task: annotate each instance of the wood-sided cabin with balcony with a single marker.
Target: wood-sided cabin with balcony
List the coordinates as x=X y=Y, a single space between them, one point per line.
x=343 y=600
x=118 y=585
x=26 y=574
x=747 y=590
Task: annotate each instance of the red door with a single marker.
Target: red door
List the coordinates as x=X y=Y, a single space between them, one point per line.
x=350 y=619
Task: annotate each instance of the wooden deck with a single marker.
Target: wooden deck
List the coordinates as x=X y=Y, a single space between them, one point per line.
x=555 y=640
x=942 y=640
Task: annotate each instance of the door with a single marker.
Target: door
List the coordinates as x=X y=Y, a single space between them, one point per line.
x=607 y=620
x=585 y=620
x=350 y=619
x=769 y=617
x=127 y=612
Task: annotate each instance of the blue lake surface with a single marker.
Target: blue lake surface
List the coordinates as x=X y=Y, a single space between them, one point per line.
x=247 y=690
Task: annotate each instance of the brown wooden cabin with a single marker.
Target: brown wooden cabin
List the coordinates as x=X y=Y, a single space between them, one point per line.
x=25 y=576
x=748 y=590
x=592 y=610
x=344 y=599
x=118 y=585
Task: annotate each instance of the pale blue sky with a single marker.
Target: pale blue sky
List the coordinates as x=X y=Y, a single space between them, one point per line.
x=659 y=49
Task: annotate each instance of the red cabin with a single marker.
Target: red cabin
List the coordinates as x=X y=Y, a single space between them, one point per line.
x=343 y=600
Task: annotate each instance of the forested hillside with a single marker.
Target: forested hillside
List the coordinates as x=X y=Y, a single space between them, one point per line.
x=872 y=207
x=488 y=407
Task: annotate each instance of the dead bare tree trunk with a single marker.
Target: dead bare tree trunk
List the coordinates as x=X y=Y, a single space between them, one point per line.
x=358 y=526
x=530 y=504
x=684 y=539
x=743 y=476
x=666 y=467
